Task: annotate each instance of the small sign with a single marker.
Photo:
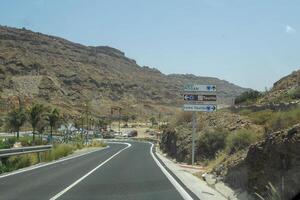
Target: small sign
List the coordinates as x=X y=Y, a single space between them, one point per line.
x=200 y=107
x=191 y=97
x=200 y=88
x=197 y=97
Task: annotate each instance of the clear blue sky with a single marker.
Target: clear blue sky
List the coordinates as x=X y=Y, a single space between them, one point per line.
x=251 y=43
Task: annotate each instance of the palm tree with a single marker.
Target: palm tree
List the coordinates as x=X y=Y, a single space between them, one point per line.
x=36 y=115
x=15 y=119
x=53 y=119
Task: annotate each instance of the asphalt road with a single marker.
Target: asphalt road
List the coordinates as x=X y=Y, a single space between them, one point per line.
x=119 y=172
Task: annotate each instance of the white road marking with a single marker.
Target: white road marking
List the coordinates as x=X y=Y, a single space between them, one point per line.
x=90 y=172
x=178 y=187
x=50 y=163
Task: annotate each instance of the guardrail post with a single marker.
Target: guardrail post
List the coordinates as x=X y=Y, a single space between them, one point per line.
x=39 y=157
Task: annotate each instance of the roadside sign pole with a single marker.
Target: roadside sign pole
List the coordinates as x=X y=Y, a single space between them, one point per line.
x=199 y=98
x=193 y=137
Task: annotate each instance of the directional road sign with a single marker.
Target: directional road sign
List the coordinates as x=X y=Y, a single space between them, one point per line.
x=199 y=97
x=191 y=97
x=200 y=107
x=200 y=88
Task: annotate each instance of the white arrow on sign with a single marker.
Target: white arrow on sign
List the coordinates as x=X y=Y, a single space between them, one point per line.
x=200 y=88
x=200 y=107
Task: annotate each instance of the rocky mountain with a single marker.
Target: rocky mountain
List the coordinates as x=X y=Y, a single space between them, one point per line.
x=45 y=68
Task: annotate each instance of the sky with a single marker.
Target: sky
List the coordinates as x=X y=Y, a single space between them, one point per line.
x=251 y=43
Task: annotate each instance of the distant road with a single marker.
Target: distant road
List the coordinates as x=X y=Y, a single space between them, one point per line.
x=116 y=173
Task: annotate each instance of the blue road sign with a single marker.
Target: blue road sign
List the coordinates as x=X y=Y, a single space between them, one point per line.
x=200 y=107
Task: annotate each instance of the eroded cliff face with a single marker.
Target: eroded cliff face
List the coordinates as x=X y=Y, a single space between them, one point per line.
x=276 y=160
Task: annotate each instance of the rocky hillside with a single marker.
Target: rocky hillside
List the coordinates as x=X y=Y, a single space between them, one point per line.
x=69 y=75
x=284 y=90
x=275 y=160
x=287 y=82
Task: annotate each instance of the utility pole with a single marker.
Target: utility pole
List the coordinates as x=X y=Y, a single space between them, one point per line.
x=193 y=138
x=119 y=114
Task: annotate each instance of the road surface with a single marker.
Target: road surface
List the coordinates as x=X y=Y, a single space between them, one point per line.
x=122 y=171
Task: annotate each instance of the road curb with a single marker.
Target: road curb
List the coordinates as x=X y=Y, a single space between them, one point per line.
x=190 y=193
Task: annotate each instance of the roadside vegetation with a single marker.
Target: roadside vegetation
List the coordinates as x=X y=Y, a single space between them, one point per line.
x=216 y=143
x=248 y=97
x=226 y=146
x=44 y=122
x=210 y=143
x=58 y=151
x=274 y=120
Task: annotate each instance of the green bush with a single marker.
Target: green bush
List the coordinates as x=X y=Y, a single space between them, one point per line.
x=25 y=141
x=274 y=121
x=4 y=144
x=59 y=151
x=3 y=169
x=97 y=143
x=261 y=117
x=210 y=143
x=294 y=93
x=168 y=142
x=239 y=140
x=248 y=97
x=11 y=141
x=182 y=118
x=17 y=162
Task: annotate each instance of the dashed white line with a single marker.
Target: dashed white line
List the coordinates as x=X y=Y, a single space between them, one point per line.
x=90 y=172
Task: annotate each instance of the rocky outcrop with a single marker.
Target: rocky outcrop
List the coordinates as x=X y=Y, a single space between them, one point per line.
x=225 y=120
x=283 y=89
x=176 y=141
x=274 y=160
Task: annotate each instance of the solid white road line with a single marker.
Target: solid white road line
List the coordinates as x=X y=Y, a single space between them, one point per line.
x=90 y=172
x=50 y=163
x=178 y=187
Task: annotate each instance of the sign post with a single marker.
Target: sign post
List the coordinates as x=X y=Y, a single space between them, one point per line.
x=199 y=98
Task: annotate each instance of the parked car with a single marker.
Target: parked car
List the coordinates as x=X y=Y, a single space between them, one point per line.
x=108 y=135
x=132 y=133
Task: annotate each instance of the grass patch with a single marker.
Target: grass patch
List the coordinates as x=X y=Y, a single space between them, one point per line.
x=97 y=143
x=240 y=140
x=275 y=120
x=272 y=193
x=59 y=151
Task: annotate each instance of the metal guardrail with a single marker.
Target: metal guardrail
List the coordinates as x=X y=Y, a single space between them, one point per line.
x=23 y=150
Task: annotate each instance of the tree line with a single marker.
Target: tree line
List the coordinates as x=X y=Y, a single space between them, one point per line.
x=38 y=116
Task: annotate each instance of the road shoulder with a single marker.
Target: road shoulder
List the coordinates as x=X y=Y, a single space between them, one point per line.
x=193 y=183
